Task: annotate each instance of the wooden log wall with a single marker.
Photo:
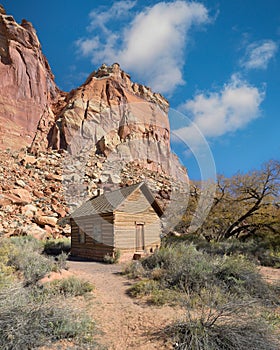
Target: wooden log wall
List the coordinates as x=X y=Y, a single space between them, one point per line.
x=136 y=209
x=92 y=248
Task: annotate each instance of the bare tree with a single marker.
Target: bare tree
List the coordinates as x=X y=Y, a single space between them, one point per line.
x=243 y=204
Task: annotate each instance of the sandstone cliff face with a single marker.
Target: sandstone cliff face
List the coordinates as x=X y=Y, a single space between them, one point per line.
x=27 y=84
x=121 y=120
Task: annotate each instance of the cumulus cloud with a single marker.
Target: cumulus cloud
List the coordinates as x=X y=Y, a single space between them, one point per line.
x=217 y=113
x=151 y=44
x=258 y=54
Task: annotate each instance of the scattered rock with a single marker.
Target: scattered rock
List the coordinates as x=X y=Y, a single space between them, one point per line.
x=20 y=183
x=27 y=159
x=4 y=201
x=53 y=177
x=32 y=230
x=46 y=220
x=29 y=210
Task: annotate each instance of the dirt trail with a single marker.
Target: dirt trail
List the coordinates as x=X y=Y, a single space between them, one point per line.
x=127 y=323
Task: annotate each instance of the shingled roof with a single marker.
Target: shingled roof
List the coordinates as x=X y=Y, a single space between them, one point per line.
x=110 y=201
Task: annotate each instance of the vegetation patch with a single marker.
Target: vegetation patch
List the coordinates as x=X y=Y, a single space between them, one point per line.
x=184 y=269
x=57 y=246
x=71 y=286
x=225 y=298
x=245 y=334
x=33 y=315
x=27 y=322
x=114 y=258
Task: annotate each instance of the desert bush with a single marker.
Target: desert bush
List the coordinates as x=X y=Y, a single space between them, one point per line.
x=25 y=254
x=6 y=271
x=71 y=286
x=180 y=267
x=218 y=292
x=218 y=324
x=263 y=249
x=32 y=264
x=142 y=288
x=246 y=334
x=240 y=276
x=186 y=270
x=60 y=262
x=57 y=246
x=112 y=258
x=26 y=323
x=27 y=242
x=134 y=270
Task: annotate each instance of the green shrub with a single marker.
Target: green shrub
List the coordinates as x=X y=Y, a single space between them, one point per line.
x=32 y=264
x=60 y=262
x=263 y=248
x=134 y=270
x=71 y=286
x=57 y=246
x=226 y=323
x=26 y=323
x=25 y=254
x=218 y=293
x=142 y=288
x=185 y=269
x=27 y=242
x=6 y=271
x=181 y=266
x=112 y=258
x=240 y=276
x=233 y=335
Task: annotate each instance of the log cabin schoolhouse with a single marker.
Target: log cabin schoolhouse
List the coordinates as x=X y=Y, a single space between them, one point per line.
x=127 y=219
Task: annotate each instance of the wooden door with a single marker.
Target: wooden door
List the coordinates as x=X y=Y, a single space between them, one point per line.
x=140 y=244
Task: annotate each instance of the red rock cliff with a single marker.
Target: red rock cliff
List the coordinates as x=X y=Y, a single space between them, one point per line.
x=117 y=118
x=27 y=88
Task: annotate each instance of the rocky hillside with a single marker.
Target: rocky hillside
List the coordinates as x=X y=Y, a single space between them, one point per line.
x=31 y=195
x=38 y=192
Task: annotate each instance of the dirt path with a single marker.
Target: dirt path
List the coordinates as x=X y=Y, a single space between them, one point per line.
x=127 y=323
x=271 y=275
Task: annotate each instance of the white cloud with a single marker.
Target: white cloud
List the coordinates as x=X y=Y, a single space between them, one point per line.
x=218 y=113
x=152 y=45
x=258 y=54
x=99 y=19
x=87 y=45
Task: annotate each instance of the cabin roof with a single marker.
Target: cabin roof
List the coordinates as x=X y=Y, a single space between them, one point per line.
x=108 y=202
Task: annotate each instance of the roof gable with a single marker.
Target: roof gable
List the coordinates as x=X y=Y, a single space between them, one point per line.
x=110 y=201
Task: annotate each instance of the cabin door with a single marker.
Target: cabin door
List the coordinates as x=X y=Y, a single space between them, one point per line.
x=140 y=237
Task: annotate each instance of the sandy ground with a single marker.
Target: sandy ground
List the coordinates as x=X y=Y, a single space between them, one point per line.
x=127 y=323
x=270 y=274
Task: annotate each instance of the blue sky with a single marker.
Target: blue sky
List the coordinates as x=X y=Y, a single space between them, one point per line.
x=217 y=62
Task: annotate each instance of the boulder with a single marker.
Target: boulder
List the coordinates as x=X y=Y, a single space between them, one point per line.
x=46 y=220
x=18 y=196
x=29 y=210
x=32 y=230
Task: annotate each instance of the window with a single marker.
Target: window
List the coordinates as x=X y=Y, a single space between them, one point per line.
x=82 y=236
x=97 y=233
